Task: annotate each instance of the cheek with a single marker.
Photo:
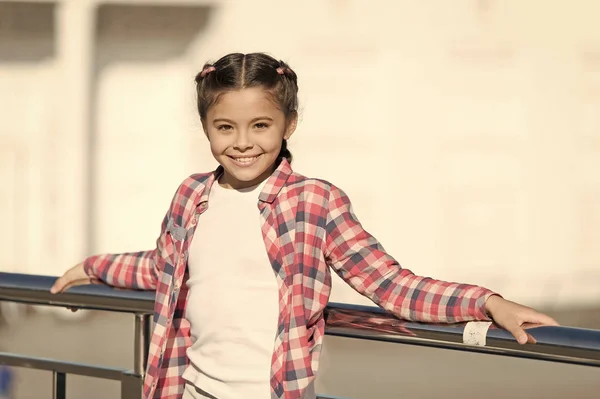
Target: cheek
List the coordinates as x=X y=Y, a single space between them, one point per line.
x=271 y=143
x=218 y=144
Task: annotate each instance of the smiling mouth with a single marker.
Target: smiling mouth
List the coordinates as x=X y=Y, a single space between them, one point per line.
x=244 y=161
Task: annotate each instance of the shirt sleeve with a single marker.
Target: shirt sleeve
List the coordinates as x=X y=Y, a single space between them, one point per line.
x=135 y=270
x=359 y=259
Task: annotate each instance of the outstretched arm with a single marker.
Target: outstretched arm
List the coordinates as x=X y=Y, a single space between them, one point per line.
x=365 y=265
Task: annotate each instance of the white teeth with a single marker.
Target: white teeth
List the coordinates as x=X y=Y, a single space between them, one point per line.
x=245 y=160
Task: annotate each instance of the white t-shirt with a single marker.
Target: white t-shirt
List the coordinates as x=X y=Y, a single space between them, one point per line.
x=233 y=303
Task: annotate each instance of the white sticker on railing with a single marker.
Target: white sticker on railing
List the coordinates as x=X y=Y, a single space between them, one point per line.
x=475 y=332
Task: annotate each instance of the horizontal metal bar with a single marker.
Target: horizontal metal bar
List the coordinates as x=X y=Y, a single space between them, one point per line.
x=64 y=367
x=560 y=344
x=33 y=289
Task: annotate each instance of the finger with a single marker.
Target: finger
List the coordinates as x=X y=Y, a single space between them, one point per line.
x=75 y=283
x=540 y=318
x=547 y=320
x=530 y=339
x=59 y=285
x=517 y=332
x=96 y=281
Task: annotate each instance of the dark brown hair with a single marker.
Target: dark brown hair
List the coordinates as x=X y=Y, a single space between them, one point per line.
x=238 y=71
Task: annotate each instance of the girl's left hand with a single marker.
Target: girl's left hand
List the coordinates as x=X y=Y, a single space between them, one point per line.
x=514 y=317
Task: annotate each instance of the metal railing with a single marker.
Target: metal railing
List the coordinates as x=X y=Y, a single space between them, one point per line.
x=556 y=344
x=35 y=290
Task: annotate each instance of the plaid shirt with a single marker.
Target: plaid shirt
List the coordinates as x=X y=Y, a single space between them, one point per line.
x=308 y=227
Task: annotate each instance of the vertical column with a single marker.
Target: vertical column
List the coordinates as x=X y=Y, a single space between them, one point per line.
x=75 y=34
x=59 y=383
x=142 y=336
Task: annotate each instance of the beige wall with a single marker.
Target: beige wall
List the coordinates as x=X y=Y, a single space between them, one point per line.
x=467 y=133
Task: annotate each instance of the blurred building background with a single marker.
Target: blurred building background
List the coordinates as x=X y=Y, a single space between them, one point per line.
x=466 y=132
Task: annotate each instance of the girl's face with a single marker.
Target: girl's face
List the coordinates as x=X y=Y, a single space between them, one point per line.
x=245 y=129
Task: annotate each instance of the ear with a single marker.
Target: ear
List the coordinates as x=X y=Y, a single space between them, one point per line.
x=292 y=123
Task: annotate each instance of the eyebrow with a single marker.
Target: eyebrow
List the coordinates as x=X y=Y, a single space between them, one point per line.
x=252 y=121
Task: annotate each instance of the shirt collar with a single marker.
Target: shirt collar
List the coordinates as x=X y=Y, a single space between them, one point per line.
x=270 y=190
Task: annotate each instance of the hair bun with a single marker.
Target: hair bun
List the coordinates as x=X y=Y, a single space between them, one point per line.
x=208 y=68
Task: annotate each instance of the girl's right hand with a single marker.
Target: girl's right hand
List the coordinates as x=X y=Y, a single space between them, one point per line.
x=72 y=277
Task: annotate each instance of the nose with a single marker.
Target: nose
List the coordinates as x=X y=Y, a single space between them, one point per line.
x=242 y=141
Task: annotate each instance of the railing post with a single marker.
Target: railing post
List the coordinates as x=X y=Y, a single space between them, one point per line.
x=142 y=342
x=59 y=382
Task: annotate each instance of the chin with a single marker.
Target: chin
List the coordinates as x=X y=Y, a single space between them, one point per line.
x=246 y=175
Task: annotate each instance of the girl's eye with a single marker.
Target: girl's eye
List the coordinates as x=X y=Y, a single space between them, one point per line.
x=224 y=127
x=261 y=126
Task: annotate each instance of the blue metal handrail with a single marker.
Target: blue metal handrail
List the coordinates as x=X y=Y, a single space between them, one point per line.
x=553 y=343
x=35 y=289
x=561 y=344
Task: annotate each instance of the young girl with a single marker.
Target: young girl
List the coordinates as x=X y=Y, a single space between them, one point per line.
x=241 y=268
